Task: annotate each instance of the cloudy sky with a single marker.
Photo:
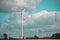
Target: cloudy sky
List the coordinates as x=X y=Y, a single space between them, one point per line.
x=39 y=17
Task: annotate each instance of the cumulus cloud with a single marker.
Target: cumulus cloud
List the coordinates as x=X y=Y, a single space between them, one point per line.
x=16 y=5
x=44 y=18
x=10 y=5
x=31 y=4
x=39 y=14
x=40 y=18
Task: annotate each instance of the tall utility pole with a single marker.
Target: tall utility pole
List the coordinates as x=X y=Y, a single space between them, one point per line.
x=22 y=24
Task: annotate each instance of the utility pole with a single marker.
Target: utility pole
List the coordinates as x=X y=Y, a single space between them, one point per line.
x=22 y=24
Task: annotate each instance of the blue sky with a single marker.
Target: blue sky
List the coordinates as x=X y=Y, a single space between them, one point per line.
x=49 y=5
x=40 y=18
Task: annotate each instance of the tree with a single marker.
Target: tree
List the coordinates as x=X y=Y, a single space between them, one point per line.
x=56 y=36
x=5 y=36
x=36 y=37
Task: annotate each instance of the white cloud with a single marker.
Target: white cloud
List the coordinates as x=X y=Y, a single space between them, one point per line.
x=10 y=5
x=17 y=5
x=48 y=20
x=43 y=18
x=57 y=16
x=39 y=14
x=36 y=29
x=31 y=4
